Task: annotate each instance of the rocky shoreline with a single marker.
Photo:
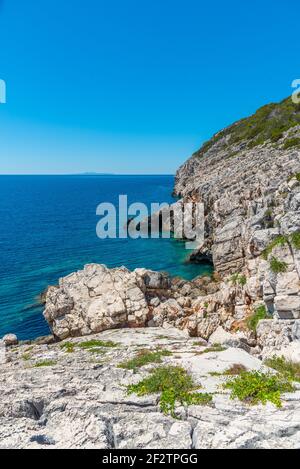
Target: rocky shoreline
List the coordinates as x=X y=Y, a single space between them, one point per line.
x=248 y=177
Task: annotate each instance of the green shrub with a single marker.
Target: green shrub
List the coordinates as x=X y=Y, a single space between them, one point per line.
x=259 y=314
x=174 y=384
x=68 y=347
x=235 y=369
x=296 y=176
x=291 y=143
x=277 y=266
x=90 y=344
x=278 y=241
x=255 y=387
x=26 y=356
x=285 y=367
x=45 y=363
x=295 y=239
x=144 y=357
x=238 y=279
x=213 y=348
x=267 y=124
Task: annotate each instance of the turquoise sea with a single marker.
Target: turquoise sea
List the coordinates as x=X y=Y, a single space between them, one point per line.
x=48 y=230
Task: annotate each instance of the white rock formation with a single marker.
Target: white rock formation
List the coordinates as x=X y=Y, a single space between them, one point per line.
x=76 y=398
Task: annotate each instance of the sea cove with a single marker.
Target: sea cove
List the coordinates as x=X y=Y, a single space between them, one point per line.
x=48 y=230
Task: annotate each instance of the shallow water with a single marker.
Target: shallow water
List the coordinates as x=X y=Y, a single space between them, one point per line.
x=48 y=230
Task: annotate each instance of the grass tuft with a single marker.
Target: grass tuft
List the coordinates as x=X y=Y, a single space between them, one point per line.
x=277 y=266
x=278 y=241
x=238 y=279
x=144 y=357
x=45 y=363
x=68 y=347
x=259 y=314
x=213 y=348
x=287 y=368
x=291 y=143
x=90 y=344
x=295 y=239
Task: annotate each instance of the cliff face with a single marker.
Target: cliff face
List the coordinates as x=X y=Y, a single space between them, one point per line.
x=248 y=177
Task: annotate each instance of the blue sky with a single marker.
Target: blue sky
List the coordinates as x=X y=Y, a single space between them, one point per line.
x=135 y=86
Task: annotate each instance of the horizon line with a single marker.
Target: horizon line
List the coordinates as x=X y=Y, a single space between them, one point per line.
x=87 y=174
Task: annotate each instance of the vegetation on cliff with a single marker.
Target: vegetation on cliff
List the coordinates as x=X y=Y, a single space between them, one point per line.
x=268 y=124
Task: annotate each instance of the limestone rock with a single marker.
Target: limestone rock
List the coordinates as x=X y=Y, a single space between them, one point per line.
x=85 y=403
x=10 y=340
x=222 y=337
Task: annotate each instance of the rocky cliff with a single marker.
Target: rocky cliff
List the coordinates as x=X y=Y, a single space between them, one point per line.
x=248 y=177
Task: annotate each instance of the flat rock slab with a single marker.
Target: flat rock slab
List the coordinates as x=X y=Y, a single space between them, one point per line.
x=66 y=396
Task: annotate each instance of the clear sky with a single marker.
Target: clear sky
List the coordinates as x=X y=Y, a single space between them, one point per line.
x=135 y=86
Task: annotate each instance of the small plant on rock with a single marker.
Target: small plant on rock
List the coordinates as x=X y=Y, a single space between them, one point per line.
x=45 y=363
x=213 y=348
x=285 y=367
x=291 y=143
x=295 y=238
x=259 y=314
x=68 y=347
x=277 y=266
x=278 y=241
x=235 y=369
x=91 y=344
x=255 y=387
x=174 y=384
x=144 y=357
x=238 y=279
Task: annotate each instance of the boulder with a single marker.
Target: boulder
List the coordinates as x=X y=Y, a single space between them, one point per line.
x=10 y=340
x=96 y=299
x=222 y=337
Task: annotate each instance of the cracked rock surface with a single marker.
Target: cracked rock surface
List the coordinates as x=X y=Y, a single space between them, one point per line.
x=56 y=396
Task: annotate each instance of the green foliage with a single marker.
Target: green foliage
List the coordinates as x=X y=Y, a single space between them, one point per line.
x=295 y=239
x=256 y=387
x=291 y=143
x=295 y=175
x=174 y=384
x=259 y=314
x=144 y=357
x=26 y=356
x=278 y=241
x=288 y=369
x=68 y=347
x=45 y=363
x=238 y=279
x=90 y=344
x=213 y=348
x=235 y=369
x=267 y=124
x=277 y=266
